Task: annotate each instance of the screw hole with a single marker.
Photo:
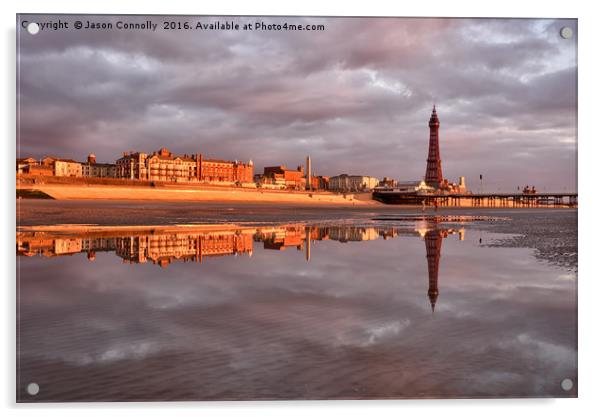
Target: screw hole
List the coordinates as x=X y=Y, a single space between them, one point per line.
x=33 y=388
x=566 y=32
x=566 y=384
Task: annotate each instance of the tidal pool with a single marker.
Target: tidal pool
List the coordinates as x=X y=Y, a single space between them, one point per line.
x=337 y=310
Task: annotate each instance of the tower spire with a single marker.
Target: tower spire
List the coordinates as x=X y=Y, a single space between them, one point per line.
x=434 y=174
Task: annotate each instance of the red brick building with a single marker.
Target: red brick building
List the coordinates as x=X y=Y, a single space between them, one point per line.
x=319 y=182
x=163 y=165
x=293 y=179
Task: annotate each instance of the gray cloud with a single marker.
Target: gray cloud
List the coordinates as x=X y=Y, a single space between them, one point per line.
x=356 y=96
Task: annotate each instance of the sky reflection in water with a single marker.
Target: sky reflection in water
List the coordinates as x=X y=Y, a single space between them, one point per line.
x=417 y=310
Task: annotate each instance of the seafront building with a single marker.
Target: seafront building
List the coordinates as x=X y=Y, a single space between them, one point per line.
x=281 y=177
x=93 y=169
x=63 y=167
x=163 y=165
x=352 y=183
x=319 y=182
x=37 y=169
x=31 y=166
x=387 y=182
x=414 y=187
x=24 y=163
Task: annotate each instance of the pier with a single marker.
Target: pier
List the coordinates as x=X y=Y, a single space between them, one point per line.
x=435 y=190
x=478 y=200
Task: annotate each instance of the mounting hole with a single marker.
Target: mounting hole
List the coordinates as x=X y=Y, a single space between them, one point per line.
x=33 y=388
x=566 y=384
x=566 y=32
x=33 y=28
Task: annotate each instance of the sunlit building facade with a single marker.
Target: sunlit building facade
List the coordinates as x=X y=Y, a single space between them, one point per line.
x=93 y=169
x=163 y=165
x=63 y=167
x=352 y=183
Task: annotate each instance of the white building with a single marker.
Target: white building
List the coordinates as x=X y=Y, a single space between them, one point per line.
x=63 y=167
x=352 y=183
x=413 y=186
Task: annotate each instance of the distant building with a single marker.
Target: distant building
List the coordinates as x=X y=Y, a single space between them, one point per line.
x=447 y=187
x=63 y=167
x=93 y=169
x=217 y=170
x=387 y=182
x=320 y=182
x=39 y=170
x=413 y=186
x=162 y=165
x=22 y=163
x=274 y=182
x=352 y=183
x=282 y=176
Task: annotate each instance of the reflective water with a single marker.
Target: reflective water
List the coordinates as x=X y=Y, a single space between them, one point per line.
x=373 y=310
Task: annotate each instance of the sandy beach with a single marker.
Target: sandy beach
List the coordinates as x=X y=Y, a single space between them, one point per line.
x=183 y=193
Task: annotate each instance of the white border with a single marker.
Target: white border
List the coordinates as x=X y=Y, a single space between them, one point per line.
x=590 y=188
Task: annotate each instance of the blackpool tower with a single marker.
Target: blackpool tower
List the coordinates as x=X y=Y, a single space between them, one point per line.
x=434 y=175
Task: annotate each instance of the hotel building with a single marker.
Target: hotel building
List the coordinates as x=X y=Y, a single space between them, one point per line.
x=91 y=168
x=346 y=182
x=285 y=178
x=163 y=165
x=63 y=167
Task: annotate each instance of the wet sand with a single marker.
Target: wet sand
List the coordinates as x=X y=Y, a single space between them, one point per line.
x=552 y=233
x=115 y=213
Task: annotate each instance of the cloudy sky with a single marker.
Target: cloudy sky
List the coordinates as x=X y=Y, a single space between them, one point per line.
x=356 y=96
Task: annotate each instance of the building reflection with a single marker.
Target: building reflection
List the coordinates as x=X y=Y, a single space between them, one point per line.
x=164 y=247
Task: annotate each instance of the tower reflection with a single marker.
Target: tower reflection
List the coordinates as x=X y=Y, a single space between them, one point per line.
x=433 y=237
x=433 y=240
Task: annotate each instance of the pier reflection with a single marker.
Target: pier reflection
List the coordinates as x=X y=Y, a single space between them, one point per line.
x=162 y=247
